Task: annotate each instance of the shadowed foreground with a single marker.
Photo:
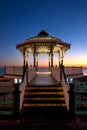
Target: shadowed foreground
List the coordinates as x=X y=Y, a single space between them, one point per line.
x=43 y=124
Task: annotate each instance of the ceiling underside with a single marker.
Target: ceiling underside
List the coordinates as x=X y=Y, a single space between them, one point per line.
x=43 y=48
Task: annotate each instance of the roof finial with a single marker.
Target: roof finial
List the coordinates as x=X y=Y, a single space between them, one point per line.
x=43 y=33
x=43 y=29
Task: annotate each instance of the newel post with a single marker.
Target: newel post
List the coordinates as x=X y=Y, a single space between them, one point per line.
x=72 y=101
x=16 y=107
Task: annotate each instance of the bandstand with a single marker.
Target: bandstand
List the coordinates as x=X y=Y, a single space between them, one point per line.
x=43 y=43
x=43 y=93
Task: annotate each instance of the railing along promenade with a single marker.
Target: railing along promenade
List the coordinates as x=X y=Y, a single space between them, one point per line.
x=13 y=70
x=18 y=71
x=73 y=71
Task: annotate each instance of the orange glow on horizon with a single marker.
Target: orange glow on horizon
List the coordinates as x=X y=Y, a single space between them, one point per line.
x=44 y=62
x=75 y=61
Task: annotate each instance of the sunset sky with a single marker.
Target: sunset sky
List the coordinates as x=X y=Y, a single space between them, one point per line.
x=64 y=19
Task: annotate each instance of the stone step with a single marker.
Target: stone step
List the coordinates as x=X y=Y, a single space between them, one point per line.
x=44 y=101
x=44 y=104
x=44 y=98
x=44 y=93
x=44 y=88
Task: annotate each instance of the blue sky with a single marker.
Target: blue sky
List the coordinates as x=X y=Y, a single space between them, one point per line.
x=65 y=19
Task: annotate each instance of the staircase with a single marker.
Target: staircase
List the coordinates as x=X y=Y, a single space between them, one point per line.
x=44 y=100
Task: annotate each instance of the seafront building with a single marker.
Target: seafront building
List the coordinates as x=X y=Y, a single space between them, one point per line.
x=41 y=92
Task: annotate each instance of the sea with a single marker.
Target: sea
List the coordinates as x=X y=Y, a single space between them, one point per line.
x=84 y=71
x=2 y=70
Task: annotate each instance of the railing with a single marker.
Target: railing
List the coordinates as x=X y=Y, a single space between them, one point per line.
x=25 y=69
x=31 y=74
x=55 y=71
x=7 y=88
x=12 y=70
x=22 y=90
x=65 y=86
x=6 y=98
x=73 y=71
x=81 y=98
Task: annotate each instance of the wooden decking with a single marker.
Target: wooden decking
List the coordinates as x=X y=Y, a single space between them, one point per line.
x=43 y=78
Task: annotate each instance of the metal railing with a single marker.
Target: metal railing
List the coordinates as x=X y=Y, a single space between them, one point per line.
x=81 y=99
x=6 y=100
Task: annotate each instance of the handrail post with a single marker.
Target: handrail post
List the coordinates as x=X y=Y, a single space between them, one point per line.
x=16 y=107
x=71 y=101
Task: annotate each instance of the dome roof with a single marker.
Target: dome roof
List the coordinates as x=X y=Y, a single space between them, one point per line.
x=43 y=38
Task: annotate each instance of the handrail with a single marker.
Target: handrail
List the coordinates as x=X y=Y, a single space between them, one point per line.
x=24 y=71
x=22 y=90
x=56 y=74
x=65 y=87
x=30 y=75
x=23 y=85
x=63 y=71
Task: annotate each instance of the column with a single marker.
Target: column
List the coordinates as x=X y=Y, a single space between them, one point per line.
x=60 y=62
x=25 y=67
x=51 y=56
x=49 y=60
x=34 y=56
x=25 y=56
x=37 y=61
x=61 y=53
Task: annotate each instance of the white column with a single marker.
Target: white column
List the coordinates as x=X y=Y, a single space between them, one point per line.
x=49 y=57
x=61 y=55
x=34 y=56
x=36 y=61
x=26 y=57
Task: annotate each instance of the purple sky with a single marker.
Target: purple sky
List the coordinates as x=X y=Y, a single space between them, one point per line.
x=65 y=19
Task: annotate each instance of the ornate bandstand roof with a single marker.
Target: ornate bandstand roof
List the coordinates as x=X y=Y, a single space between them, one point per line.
x=43 y=42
